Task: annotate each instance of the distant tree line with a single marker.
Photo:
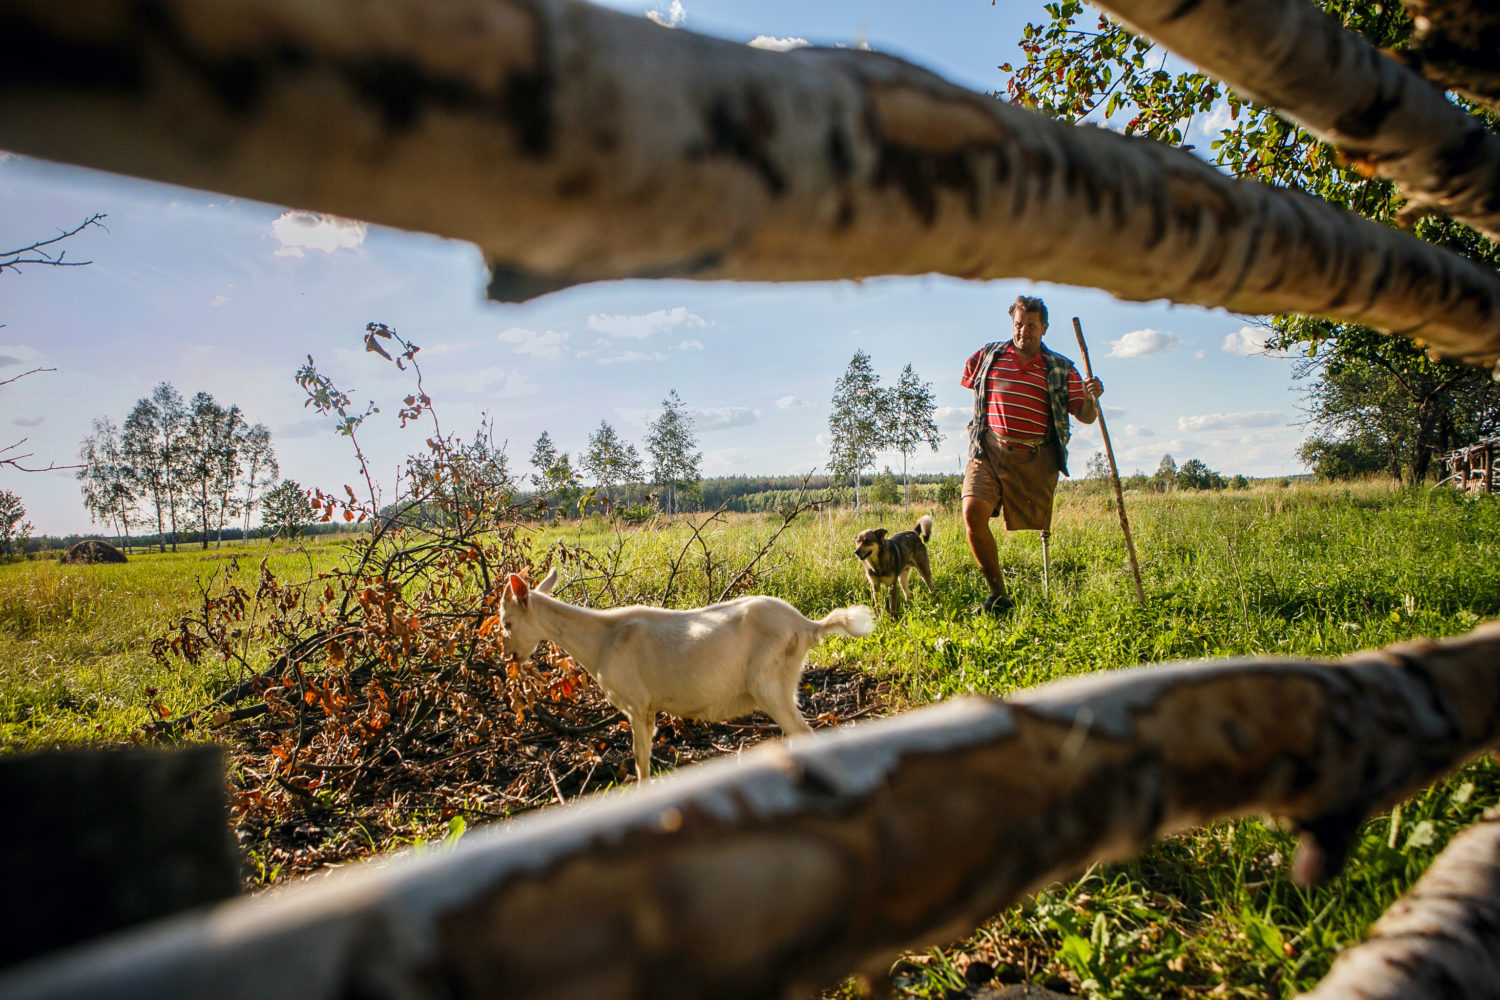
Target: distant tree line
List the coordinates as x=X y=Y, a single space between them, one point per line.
x=176 y=465
x=1194 y=474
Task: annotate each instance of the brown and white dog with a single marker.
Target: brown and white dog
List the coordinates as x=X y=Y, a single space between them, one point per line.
x=889 y=561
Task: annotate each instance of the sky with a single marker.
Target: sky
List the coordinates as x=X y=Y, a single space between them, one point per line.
x=230 y=297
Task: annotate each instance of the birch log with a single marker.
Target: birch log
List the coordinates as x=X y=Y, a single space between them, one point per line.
x=1442 y=939
x=1290 y=55
x=1457 y=45
x=573 y=143
x=807 y=859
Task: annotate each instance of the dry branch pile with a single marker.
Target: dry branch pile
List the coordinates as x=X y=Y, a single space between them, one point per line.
x=388 y=706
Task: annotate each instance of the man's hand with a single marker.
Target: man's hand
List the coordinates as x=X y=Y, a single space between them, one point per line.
x=1093 y=388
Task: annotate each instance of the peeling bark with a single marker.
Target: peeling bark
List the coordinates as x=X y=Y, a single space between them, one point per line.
x=572 y=143
x=1457 y=45
x=1442 y=939
x=811 y=858
x=1290 y=55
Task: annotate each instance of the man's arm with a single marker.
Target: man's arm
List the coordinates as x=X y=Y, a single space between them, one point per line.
x=1087 y=408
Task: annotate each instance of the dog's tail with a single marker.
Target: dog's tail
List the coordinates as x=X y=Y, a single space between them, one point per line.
x=924 y=527
x=853 y=621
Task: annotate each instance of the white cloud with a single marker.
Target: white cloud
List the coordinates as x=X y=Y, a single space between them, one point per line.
x=643 y=325
x=1218 y=119
x=300 y=231
x=725 y=461
x=1231 y=421
x=792 y=403
x=689 y=345
x=493 y=382
x=533 y=343
x=951 y=418
x=718 y=418
x=219 y=300
x=1245 y=341
x=1199 y=355
x=18 y=355
x=630 y=357
x=673 y=17
x=1143 y=343
x=1136 y=430
x=29 y=421
x=304 y=429
x=777 y=44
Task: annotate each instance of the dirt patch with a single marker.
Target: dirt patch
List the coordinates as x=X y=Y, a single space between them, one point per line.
x=285 y=832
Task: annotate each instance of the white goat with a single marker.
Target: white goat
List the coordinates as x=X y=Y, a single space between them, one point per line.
x=712 y=663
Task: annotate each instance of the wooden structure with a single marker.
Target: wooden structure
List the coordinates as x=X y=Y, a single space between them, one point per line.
x=1475 y=468
x=573 y=144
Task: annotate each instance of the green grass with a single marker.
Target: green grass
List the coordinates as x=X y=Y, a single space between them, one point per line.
x=1300 y=571
x=75 y=660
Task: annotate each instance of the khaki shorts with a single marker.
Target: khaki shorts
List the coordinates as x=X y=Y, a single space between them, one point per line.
x=1018 y=480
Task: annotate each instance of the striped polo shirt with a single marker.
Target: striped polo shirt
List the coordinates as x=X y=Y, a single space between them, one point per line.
x=1016 y=400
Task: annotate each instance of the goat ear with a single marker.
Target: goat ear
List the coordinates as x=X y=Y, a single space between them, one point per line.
x=518 y=590
x=550 y=581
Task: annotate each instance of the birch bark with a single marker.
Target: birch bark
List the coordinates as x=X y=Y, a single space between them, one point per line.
x=1457 y=45
x=572 y=143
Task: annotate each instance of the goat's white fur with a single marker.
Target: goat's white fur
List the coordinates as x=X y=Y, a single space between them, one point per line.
x=712 y=663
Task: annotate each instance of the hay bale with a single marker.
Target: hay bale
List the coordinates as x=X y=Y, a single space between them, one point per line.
x=92 y=550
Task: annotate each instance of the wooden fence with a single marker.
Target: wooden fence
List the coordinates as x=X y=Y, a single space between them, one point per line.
x=1475 y=468
x=572 y=144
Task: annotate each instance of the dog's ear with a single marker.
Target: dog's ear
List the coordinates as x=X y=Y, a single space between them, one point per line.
x=517 y=591
x=545 y=587
x=878 y=534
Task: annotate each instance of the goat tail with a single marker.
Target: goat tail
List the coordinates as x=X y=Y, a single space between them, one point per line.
x=855 y=621
x=924 y=527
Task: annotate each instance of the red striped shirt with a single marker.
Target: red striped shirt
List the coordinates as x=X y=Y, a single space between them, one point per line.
x=1016 y=399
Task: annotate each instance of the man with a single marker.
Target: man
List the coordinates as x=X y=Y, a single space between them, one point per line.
x=1018 y=439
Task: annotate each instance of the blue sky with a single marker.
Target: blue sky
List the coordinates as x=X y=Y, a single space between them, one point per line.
x=229 y=296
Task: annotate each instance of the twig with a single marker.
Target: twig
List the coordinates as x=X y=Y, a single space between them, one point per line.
x=799 y=507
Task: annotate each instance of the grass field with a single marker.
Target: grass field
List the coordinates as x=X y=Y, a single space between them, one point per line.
x=1302 y=571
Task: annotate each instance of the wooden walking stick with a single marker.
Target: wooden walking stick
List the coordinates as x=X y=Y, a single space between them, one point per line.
x=1114 y=472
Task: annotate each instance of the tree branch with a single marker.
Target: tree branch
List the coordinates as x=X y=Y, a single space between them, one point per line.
x=1437 y=940
x=1290 y=55
x=573 y=143
x=40 y=254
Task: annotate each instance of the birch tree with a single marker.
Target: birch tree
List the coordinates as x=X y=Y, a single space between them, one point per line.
x=105 y=479
x=912 y=425
x=555 y=479
x=152 y=443
x=609 y=460
x=258 y=462
x=858 y=422
x=209 y=463
x=671 y=444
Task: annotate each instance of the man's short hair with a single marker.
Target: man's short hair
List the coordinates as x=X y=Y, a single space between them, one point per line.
x=1029 y=304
